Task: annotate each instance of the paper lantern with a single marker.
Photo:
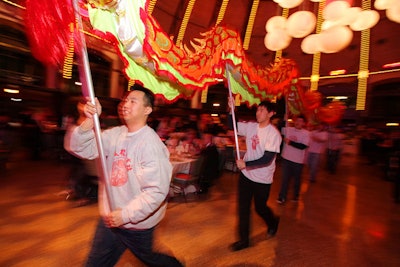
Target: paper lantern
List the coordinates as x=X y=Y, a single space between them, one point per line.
x=310 y=44
x=383 y=4
x=332 y=113
x=335 y=10
x=335 y=39
x=350 y=15
x=366 y=19
x=393 y=13
x=276 y=22
x=301 y=24
x=312 y=100
x=326 y=24
x=289 y=3
x=277 y=40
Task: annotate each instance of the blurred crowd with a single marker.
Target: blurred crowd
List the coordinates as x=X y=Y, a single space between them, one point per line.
x=40 y=133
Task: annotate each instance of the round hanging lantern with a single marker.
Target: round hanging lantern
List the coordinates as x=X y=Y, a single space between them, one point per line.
x=301 y=24
x=350 y=15
x=335 y=39
x=366 y=19
x=383 y=4
x=331 y=113
x=326 y=24
x=275 y=22
x=393 y=13
x=289 y=3
x=335 y=10
x=310 y=44
x=277 y=40
x=312 y=100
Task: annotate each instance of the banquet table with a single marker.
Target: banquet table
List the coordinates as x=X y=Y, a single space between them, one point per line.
x=181 y=164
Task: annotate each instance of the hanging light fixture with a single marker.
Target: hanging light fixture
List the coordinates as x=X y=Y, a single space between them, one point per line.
x=301 y=23
x=288 y=3
x=335 y=39
x=277 y=40
x=366 y=19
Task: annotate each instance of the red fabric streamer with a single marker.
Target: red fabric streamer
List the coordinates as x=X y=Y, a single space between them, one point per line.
x=48 y=29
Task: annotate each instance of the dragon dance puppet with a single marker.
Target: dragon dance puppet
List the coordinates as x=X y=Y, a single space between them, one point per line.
x=152 y=58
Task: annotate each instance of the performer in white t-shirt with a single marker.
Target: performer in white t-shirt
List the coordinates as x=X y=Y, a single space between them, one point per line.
x=318 y=142
x=296 y=140
x=263 y=142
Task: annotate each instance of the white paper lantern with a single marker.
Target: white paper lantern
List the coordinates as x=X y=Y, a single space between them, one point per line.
x=335 y=39
x=350 y=15
x=301 y=24
x=290 y=3
x=276 y=22
x=277 y=40
x=310 y=44
x=326 y=24
x=366 y=19
x=393 y=13
x=335 y=10
x=383 y=4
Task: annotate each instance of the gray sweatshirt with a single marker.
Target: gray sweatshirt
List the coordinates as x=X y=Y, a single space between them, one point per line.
x=139 y=172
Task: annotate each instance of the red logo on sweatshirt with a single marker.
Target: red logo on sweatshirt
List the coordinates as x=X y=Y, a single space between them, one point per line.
x=120 y=168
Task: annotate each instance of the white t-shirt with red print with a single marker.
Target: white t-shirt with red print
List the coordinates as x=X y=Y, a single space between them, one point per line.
x=259 y=140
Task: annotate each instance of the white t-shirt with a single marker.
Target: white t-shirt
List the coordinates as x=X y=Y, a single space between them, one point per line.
x=259 y=140
x=299 y=136
x=318 y=140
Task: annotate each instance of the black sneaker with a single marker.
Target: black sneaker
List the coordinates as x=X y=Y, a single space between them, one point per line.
x=239 y=245
x=272 y=230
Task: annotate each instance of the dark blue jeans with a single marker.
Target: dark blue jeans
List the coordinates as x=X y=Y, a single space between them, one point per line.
x=109 y=244
x=260 y=192
x=313 y=165
x=290 y=169
x=332 y=160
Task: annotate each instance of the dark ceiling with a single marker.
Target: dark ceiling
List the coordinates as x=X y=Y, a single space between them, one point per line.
x=385 y=38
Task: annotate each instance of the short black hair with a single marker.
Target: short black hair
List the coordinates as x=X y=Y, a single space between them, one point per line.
x=301 y=116
x=271 y=107
x=148 y=94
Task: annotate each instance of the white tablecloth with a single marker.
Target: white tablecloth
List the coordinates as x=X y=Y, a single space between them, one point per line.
x=181 y=165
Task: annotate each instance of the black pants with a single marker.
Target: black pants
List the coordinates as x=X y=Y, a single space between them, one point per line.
x=247 y=190
x=110 y=243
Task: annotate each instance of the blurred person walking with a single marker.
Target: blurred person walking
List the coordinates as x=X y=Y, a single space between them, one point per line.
x=132 y=201
x=335 y=144
x=296 y=140
x=210 y=163
x=318 y=139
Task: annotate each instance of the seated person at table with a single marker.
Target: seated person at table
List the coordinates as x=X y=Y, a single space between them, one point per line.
x=171 y=144
x=210 y=166
x=189 y=144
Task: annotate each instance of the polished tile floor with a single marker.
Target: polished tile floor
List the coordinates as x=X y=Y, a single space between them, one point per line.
x=347 y=219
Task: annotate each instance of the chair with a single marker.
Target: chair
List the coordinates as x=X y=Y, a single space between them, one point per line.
x=183 y=180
